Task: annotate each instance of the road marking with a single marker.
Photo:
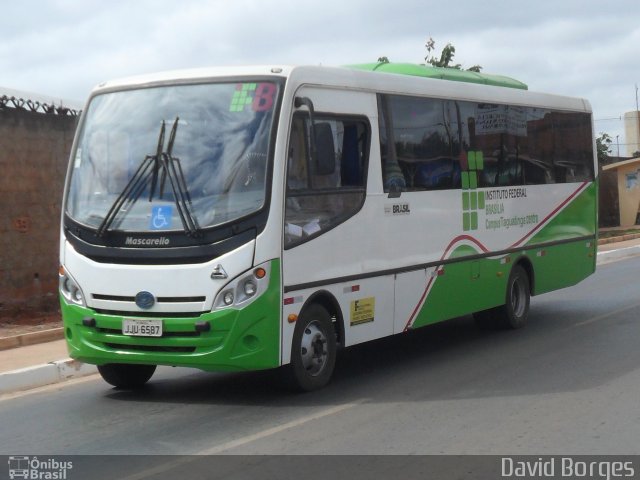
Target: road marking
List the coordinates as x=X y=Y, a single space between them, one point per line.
x=285 y=426
x=242 y=441
x=606 y=315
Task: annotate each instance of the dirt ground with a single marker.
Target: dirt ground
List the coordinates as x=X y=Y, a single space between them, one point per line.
x=17 y=319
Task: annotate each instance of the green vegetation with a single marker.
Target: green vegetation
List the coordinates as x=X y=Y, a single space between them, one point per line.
x=444 y=60
x=603 y=146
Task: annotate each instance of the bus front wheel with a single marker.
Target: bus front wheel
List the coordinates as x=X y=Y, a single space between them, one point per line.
x=128 y=376
x=313 y=350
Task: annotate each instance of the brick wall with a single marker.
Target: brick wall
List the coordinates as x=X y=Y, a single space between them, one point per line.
x=34 y=150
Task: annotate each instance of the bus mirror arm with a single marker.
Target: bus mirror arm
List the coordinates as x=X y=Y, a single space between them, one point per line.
x=306 y=101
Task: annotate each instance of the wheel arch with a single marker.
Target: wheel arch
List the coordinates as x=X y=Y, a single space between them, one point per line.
x=526 y=264
x=327 y=300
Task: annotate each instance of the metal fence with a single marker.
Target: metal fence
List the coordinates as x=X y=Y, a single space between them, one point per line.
x=36 y=106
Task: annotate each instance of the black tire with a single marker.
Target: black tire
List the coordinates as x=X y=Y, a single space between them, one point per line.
x=515 y=311
x=127 y=376
x=313 y=350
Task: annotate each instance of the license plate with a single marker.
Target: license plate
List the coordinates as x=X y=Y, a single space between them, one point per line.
x=142 y=328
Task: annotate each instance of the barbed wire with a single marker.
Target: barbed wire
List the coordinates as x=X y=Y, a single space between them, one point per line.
x=36 y=106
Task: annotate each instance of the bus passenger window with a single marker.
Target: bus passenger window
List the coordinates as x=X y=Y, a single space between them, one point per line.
x=420 y=143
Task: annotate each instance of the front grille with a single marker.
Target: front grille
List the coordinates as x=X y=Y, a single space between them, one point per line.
x=151 y=348
x=121 y=298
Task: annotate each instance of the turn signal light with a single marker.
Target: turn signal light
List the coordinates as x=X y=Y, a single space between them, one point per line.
x=260 y=272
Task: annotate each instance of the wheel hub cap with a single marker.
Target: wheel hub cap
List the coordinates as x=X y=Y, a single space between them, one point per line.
x=313 y=349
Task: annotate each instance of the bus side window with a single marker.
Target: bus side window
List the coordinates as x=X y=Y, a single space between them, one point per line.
x=392 y=175
x=321 y=195
x=420 y=143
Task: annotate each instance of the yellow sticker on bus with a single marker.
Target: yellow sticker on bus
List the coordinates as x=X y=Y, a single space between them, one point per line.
x=363 y=310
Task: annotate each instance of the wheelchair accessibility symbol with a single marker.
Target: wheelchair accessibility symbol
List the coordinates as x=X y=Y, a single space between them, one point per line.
x=161 y=217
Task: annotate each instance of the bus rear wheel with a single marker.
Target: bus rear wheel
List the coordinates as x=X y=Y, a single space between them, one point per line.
x=127 y=376
x=313 y=350
x=515 y=311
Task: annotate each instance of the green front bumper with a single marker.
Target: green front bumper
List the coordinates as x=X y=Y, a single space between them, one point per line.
x=239 y=339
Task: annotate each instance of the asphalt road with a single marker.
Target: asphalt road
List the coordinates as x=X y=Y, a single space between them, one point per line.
x=569 y=383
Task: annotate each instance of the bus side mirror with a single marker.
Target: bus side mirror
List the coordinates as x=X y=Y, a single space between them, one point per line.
x=394 y=191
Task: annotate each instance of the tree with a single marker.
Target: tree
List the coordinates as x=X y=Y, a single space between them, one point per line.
x=443 y=61
x=603 y=146
x=446 y=57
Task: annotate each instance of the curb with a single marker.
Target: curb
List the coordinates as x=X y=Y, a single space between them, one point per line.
x=41 y=375
x=32 y=338
x=618 y=254
x=621 y=238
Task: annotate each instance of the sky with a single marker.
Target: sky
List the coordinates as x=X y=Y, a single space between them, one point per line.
x=63 y=48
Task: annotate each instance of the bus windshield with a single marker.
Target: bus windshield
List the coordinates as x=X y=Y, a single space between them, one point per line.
x=172 y=157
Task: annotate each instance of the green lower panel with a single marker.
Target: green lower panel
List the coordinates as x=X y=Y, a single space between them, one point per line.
x=463 y=288
x=475 y=285
x=562 y=265
x=240 y=339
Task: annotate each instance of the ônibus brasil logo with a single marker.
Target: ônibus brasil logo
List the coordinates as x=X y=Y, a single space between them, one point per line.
x=22 y=466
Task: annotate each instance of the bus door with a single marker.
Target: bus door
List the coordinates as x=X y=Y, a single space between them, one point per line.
x=331 y=246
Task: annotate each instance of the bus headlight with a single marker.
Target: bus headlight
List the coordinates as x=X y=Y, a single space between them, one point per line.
x=244 y=288
x=228 y=298
x=69 y=288
x=250 y=288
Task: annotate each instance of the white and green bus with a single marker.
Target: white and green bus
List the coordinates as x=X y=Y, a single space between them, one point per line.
x=253 y=218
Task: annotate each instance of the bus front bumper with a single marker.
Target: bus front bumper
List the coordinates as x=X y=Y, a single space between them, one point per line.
x=237 y=339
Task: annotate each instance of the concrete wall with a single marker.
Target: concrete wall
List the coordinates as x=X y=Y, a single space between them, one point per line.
x=34 y=150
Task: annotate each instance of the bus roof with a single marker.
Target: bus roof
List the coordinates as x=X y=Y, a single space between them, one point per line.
x=364 y=78
x=451 y=74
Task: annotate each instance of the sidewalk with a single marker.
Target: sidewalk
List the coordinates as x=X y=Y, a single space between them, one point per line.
x=32 y=366
x=611 y=252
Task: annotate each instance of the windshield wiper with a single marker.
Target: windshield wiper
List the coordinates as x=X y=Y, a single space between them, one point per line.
x=148 y=172
x=172 y=169
x=134 y=188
